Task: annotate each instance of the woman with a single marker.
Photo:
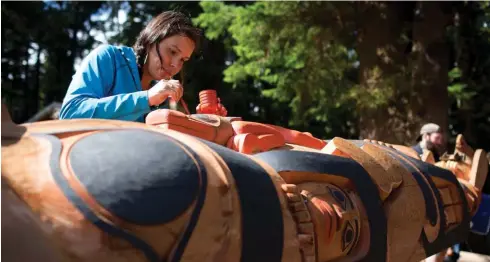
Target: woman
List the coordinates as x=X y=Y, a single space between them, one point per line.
x=114 y=82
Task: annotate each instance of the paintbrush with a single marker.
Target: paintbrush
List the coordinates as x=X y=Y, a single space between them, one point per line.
x=184 y=105
x=182 y=101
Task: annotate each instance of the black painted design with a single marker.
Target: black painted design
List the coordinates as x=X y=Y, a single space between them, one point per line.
x=457 y=234
x=430 y=208
x=69 y=129
x=424 y=185
x=59 y=178
x=112 y=140
x=339 y=197
x=143 y=177
x=262 y=222
x=347 y=236
x=339 y=166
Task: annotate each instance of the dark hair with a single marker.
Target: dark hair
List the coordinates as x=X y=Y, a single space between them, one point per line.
x=166 y=24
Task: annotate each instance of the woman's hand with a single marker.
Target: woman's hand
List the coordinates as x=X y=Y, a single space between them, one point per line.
x=222 y=110
x=219 y=110
x=164 y=89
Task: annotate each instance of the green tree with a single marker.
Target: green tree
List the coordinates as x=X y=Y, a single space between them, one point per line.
x=376 y=70
x=291 y=55
x=469 y=84
x=20 y=33
x=403 y=54
x=70 y=23
x=56 y=32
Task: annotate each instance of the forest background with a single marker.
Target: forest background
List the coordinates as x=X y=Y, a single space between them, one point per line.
x=376 y=70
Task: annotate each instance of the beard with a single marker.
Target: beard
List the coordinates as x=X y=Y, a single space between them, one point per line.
x=433 y=147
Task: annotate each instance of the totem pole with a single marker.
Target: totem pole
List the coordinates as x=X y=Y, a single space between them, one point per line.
x=210 y=188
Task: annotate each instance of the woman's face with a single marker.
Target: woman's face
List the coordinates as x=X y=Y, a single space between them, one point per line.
x=174 y=51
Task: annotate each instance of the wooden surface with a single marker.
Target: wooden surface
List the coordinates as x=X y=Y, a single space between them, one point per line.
x=473 y=257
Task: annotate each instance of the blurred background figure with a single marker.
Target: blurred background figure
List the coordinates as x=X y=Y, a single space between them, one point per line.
x=431 y=138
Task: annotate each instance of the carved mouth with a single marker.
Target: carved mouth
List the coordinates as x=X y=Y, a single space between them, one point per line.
x=302 y=217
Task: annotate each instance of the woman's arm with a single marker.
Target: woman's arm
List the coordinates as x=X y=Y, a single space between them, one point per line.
x=87 y=94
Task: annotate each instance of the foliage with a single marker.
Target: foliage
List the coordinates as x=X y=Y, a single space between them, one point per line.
x=27 y=81
x=302 y=64
x=469 y=86
x=290 y=59
x=457 y=89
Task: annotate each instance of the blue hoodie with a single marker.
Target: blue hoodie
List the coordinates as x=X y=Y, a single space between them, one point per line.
x=107 y=85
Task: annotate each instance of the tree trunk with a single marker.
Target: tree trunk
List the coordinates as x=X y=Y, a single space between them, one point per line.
x=467 y=35
x=430 y=72
x=28 y=110
x=413 y=74
x=382 y=69
x=37 y=86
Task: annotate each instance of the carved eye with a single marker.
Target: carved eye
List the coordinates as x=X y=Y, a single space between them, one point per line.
x=339 y=197
x=349 y=235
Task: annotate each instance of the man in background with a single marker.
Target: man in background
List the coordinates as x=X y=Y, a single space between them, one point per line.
x=431 y=138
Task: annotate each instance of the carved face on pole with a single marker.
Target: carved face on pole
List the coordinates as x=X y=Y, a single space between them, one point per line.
x=336 y=217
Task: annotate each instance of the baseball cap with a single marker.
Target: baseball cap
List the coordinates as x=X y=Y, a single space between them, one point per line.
x=429 y=128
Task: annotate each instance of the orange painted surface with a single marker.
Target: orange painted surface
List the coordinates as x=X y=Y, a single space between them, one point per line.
x=245 y=143
x=209 y=103
x=271 y=141
x=267 y=137
x=288 y=135
x=216 y=131
x=300 y=138
x=242 y=136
